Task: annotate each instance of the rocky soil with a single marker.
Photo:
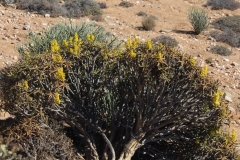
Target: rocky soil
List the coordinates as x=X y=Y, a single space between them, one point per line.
x=123 y=22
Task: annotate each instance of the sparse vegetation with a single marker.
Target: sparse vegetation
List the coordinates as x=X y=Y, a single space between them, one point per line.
x=199 y=19
x=166 y=40
x=141 y=13
x=126 y=4
x=97 y=18
x=230 y=22
x=223 y=4
x=102 y=5
x=209 y=60
x=221 y=50
x=148 y=23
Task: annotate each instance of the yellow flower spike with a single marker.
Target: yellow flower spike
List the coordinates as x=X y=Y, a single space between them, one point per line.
x=160 y=57
x=204 y=71
x=54 y=46
x=71 y=40
x=160 y=45
x=27 y=55
x=132 y=54
x=128 y=44
x=57 y=98
x=216 y=98
x=75 y=37
x=57 y=58
x=60 y=75
x=197 y=141
x=90 y=37
x=25 y=85
x=234 y=136
x=65 y=43
x=149 y=44
x=224 y=112
x=192 y=61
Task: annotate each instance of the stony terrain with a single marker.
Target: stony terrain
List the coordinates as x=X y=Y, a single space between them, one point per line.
x=123 y=22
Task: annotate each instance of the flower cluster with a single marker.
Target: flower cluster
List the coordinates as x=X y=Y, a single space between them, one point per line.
x=75 y=44
x=25 y=85
x=149 y=44
x=216 y=98
x=131 y=45
x=57 y=58
x=57 y=98
x=192 y=61
x=54 y=46
x=204 y=71
x=60 y=75
x=90 y=37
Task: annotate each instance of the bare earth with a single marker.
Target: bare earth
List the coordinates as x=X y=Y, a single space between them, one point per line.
x=123 y=22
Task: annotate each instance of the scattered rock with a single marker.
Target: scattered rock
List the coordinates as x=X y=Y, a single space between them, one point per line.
x=231 y=109
x=47 y=15
x=228 y=96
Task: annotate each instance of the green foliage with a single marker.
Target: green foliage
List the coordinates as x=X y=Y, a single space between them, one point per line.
x=126 y=4
x=37 y=44
x=198 y=19
x=209 y=60
x=221 y=50
x=223 y=4
x=166 y=40
x=148 y=23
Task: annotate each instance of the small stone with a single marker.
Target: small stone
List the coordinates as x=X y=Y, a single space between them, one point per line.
x=238 y=105
x=225 y=59
x=228 y=97
x=5 y=38
x=47 y=15
x=231 y=109
x=234 y=64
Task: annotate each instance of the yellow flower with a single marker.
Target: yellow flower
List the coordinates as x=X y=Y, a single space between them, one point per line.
x=57 y=98
x=160 y=57
x=160 y=45
x=54 y=46
x=65 y=43
x=25 y=85
x=192 y=61
x=60 y=75
x=234 y=136
x=71 y=40
x=90 y=37
x=149 y=44
x=75 y=37
x=57 y=58
x=197 y=141
x=216 y=98
x=224 y=112
x=204 y=71
x=132 y=54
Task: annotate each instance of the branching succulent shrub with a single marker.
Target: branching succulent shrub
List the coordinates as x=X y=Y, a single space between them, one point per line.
x=166 y=40
x=223 y=4
x=198 y=19
x=37 y=44
x=120 y=102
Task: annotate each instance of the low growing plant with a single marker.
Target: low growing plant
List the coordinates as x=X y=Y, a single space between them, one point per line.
x=166 y=40
x=223 y=4
x=199 y=19
x=126 y=4
x=148 y=23
x=221 y=50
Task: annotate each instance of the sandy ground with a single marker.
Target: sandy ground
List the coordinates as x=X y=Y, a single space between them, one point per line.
x=172 y=20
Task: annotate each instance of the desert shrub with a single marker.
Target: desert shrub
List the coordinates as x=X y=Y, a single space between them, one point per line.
x=198 y=19
x=41 y=139
x=223 y=4
x=7 y=150
x=227 y=36
x=7 y=2
x=230 y=22
x=78 y=8
x=221 y=50
x=118 y=101
x=97 y=18
x=141 y=13
x=102 y=5
x=148 y=23
x=209 y=60
x=60 y=31
x=126 y=4
x=166 y=40
x=44 y=6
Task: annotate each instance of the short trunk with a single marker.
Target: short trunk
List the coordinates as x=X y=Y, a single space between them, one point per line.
x=130 y=149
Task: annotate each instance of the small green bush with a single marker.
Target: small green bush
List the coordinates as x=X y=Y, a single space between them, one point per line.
x=209 y=60
x=141 y=13
x=221 y=50
x=126 y=4
x=223 y=4
x=97 y=18
x=148 y=23
x=166 y=40
x=198 y=19
x=38 y=44
x=102 y=5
